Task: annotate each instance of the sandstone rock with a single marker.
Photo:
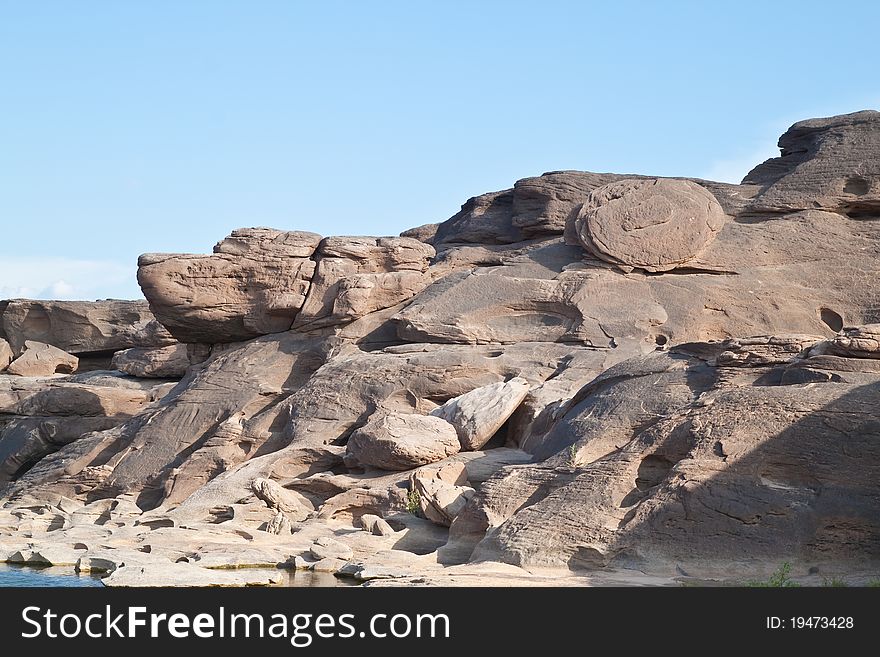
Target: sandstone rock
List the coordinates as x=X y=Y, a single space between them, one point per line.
x=825 y=163
x=253 y=284
x=656 y=225
x=329 y=548
x=82 y=327
x=401 y=441
x=240 y=378
x=442 y=491
x=376 y=525
x=764 y=350
x=359 y=275
x=709 y=410
x=24 y=441
x=39 y=359
x=6 y=354
x=280 y=499
x=857 y=342
x=478 y=414
x=169 y=362
x=184 y=574
x=279 y=524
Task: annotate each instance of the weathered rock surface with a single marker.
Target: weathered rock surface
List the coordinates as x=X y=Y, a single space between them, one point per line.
x=40 y=359
x=359 y=275
x=690 y=387
x=401 y=441
x=82 y=327
x=478 y=414
x=169 y=362
x=254 y=283
x=442 y=491
x=828 y=164
x=655 y=225
x=6 y=354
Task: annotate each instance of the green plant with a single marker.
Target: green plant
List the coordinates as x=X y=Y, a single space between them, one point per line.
x=834 y=582
x=781 y=578
x=573 y=456
x=874 y=583
x=413 y=502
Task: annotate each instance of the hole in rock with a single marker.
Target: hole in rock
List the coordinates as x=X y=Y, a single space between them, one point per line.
x=652 y=471
x=831 y=319
x=857 y=185
x=661 y=340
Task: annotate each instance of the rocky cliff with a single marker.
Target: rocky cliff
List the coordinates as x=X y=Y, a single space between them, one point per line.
x=581 y=376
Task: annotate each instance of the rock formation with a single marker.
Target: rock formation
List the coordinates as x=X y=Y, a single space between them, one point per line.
x=584 y=374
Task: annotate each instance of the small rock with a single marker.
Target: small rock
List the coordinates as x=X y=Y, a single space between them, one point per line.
x=279 y=524
x=376 y=525
x=169 y=362
x=443 y=491
x=330 y=548
x=277 y=497
x=40 y=359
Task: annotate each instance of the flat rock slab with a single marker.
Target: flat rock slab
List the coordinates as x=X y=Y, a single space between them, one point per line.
x=184 y=574
x=478 y=414
x=656 y=224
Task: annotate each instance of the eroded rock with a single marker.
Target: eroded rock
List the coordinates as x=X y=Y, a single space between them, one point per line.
x=40 y=359
x=655 y=225
x=401 y=441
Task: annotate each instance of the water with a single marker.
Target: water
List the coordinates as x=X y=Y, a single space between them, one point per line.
x=21 y=576
x=24 y=576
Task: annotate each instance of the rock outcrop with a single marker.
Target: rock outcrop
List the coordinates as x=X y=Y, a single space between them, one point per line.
x=586 y=373
x=254 y=283
x=82 y=327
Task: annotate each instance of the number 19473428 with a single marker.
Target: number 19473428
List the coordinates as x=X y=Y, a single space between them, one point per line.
x=810 y=623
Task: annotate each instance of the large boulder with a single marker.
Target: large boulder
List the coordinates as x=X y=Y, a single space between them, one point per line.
x=82 y=327
x=253 y=284
x=655 y=225
x=478 y=414
x=401 y=441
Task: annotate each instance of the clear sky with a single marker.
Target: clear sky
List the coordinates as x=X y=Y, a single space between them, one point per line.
x=160 y=125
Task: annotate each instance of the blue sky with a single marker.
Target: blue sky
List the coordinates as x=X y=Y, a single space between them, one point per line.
x=130 y=127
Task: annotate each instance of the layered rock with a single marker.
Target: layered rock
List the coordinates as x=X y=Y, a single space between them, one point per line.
x=687 y=388
x=828 y=164
x=169 y=362
x=356 y=276
x=82 y=327
x=254 y=283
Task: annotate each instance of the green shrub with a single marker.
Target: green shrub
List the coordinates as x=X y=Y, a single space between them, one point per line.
x=781 y=578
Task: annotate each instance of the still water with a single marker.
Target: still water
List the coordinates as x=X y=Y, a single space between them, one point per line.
x=22 y=576
x=18 y=576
